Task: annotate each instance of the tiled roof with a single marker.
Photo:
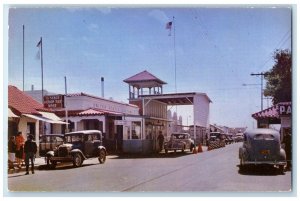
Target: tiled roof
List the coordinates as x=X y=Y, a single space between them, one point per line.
x=271 y=112
x=88 y=112
x=143 y=76
x=21 y=103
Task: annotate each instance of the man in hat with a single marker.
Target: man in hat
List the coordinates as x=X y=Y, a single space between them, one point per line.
x=30 y=149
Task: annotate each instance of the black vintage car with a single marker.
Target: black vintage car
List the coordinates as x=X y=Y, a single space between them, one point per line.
x=78 y=146
x=49 y=142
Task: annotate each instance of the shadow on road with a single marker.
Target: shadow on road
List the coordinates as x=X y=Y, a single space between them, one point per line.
x=157 y=155
x=64 y=166
x=260 y=171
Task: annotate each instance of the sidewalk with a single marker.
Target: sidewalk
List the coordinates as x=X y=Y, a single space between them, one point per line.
x=37 y=163
x=40 y=161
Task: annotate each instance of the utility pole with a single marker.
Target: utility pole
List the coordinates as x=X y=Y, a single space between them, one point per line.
x=262 y=75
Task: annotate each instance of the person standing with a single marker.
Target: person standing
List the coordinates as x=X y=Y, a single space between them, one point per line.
x=19 y=148
x=11 y=152
x=30 y=149
x=160 y=139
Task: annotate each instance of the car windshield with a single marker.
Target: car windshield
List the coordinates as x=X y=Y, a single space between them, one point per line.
x=73 y=138
x=264 y=137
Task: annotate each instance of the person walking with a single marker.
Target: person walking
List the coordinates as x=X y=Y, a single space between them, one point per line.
x=30 y=150
x=19 y=149
x=160 y=139
x=11 y=152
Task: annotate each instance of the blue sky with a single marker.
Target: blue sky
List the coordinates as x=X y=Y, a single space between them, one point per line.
x=216 y=51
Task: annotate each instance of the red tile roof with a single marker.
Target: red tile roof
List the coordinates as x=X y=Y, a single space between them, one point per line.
x=21 y=103
x=88 y=112
x=143 y=76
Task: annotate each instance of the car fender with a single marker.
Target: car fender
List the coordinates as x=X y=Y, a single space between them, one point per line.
x=72 y=152
x=102 y=147
x=282 y=155
x=50 y=153
x=241 y=152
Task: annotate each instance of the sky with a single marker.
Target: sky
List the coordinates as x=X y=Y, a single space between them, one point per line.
x=217 y=48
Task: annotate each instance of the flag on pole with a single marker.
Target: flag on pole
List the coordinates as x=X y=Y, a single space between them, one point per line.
x=39 y=51
x=169 y=26
x=39 y=43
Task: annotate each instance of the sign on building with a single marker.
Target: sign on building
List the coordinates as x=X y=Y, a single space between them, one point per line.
x=55 y=101
x=285 y=110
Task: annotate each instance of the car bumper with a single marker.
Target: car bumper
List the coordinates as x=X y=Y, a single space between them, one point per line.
x=265 y=163
x=61 y=159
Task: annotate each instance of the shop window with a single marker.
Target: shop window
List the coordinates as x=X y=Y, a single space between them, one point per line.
x=136 y=130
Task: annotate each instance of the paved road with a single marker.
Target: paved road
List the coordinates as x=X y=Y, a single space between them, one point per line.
x=209 y=171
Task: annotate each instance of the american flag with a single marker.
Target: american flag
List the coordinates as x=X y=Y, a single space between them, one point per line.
x=169 y=25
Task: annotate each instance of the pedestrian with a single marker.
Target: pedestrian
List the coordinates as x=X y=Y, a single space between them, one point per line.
x=160 y=139
x=19 y=149
x=30 y=150
x=11 y=152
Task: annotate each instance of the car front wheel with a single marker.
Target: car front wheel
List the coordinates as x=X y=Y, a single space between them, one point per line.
x=77 y=160
x=102 y=156
x=51 y=164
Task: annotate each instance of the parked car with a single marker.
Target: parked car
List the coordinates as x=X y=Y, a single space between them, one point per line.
x=78 y=146
x=239 y=137
x=217 y=139
x=228 y=139
x=179 y=141
x=48 y=142
x=262 y=147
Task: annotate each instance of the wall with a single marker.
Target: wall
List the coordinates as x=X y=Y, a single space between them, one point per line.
x=85 y=102
x=201 y=110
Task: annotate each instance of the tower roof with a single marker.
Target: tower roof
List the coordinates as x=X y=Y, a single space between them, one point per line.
x=144 y=77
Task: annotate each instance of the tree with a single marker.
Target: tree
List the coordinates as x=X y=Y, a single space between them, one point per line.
x=279 y=78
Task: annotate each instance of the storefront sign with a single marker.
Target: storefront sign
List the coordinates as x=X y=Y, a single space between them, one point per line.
x=122 y=122
x=56 y=101
x=285 y=110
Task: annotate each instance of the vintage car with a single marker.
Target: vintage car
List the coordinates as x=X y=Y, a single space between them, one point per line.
x=216 y=140
x=239 y=137
x=48 y=142
x=262 y=147
x=179 y=141
x=78 y=146
x=228 y=139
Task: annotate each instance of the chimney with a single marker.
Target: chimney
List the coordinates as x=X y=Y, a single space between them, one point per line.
x=102 y=86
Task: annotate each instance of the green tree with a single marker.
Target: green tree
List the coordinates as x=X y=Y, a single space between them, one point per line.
x=279 y=78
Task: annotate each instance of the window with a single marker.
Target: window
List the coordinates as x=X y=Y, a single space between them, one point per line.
x=264 y=137
x=136 y=130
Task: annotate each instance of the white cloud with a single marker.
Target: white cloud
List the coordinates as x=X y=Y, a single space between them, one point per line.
x=159 y=15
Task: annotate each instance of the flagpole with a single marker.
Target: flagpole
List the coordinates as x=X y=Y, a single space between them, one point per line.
x=42 y=70
x=23 y=53
x=175 y=63
x=66 y=109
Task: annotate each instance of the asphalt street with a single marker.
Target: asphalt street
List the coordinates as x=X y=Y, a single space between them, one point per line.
x=210 y=171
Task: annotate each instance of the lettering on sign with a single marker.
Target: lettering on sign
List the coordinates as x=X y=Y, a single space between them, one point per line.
x=55 y=101
x=285 y=110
